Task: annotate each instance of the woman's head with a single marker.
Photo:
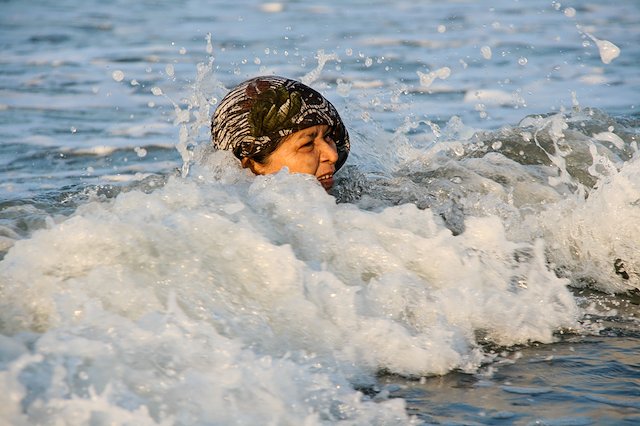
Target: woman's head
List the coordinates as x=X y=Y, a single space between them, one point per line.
x=272 y=122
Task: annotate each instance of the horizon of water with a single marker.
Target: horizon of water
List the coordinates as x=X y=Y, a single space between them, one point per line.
x=476 y=262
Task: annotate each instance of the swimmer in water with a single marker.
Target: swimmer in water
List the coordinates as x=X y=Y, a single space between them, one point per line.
x=272 y=122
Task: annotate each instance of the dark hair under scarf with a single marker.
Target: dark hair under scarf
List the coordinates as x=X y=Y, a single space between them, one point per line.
x=254 y=117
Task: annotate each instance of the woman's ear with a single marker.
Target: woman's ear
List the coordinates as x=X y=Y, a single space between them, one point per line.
x=250 y=164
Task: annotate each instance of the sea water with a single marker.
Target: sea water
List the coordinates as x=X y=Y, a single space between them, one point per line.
x=475 y=263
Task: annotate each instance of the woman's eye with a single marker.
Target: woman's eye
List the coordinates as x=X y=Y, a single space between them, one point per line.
x=330 y=140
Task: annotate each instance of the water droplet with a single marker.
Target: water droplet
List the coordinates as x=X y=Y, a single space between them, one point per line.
x=117 y=75
x=443 y=73
x=523 y=61
x=73 y=129
x=343 y=88
x=569 y=12
x=486 y=52
x=209 y=44
x=156 y=91
x=496 y=145
x=170 y=70
x=608 y=50
x=442 y=29
x=368 y=62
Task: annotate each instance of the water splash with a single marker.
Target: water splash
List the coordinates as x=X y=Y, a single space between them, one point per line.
x=608 y=51
x=314 y=74
x=196 y=114
x=427 y=79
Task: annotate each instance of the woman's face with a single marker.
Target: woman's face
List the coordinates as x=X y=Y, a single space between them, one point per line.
x=309 y=151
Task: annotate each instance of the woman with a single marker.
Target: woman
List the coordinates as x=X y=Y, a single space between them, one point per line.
x=272 y=122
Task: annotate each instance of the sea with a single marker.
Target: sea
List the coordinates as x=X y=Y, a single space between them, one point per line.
x=476 y=263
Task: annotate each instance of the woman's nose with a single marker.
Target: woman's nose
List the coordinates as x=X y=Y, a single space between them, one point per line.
x=328 y=151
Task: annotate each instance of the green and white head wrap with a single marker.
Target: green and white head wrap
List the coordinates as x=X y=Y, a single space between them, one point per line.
x=255 y=116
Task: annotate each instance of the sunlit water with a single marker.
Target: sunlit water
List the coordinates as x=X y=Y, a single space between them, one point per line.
x=476 y=263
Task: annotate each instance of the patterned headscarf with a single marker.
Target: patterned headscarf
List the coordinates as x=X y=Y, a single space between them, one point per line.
x=255 y=115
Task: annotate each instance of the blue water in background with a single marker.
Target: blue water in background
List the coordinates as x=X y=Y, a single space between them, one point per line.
x=90 y=100
x=58 y=60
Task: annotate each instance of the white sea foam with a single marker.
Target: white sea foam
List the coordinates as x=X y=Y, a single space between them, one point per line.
x=223 y=277
x=493 y=97
x=96 y=150
x=220 y=298
x=141 y=130
x=597 y=238
x=590 y=234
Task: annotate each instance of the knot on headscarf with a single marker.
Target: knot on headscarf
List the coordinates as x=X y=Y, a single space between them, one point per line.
x=257 y=114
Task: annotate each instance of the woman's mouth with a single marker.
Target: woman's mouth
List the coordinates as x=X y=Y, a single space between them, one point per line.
x=326 y=180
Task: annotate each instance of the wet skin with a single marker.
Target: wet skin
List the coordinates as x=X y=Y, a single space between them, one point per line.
x=310 y=151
